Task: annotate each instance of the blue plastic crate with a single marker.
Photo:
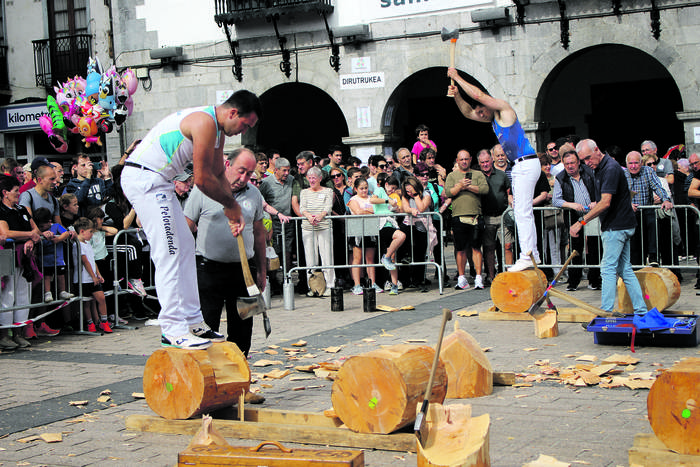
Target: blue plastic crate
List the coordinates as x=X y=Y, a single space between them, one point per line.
x=618 y=331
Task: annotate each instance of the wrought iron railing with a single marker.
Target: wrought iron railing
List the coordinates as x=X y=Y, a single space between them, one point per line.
x=58 y=58
x=235 y=11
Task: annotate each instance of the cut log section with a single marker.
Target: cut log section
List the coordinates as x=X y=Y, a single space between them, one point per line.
x=660 y=287
x=377 y=392
x=673 y=407
x=514 y=292
x=454 y=438
x=469 y=372
x=547 y=325
x=180 y=384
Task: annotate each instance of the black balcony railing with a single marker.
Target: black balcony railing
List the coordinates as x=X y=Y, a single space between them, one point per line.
x=59 y=58
x=4 y=76
x=238 y=11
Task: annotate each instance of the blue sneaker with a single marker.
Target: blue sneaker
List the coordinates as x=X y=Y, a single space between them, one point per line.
x=188 y=341
x=205 y=332
x=394 y=290
x=377 y=289
x=388 y=263
x=357 y=290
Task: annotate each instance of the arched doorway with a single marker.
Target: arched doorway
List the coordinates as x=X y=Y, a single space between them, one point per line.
x=297 y=117
x=422 y=98
x=614 y=94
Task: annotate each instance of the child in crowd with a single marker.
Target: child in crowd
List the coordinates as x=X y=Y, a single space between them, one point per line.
x=90 y=278
x=98 y=242
x=69 y=209
x=51 y=256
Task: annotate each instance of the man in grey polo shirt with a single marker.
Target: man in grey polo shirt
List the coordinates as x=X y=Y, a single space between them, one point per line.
x=219 y=273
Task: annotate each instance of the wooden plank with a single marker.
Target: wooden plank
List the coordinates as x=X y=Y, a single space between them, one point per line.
x=278 y=432
x=565 y=315
x=503 y=378
x=649 y=451
x=291 y=417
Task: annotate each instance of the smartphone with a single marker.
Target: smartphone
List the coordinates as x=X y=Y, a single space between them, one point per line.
x=468 y=175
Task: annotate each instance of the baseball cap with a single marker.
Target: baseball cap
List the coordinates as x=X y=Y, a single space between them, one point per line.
x=39 y=162
x=183 y=177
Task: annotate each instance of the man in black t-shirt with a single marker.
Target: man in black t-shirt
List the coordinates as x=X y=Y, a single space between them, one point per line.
x=617 y=225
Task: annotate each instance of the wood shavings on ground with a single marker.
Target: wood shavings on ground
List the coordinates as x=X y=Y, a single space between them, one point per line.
x=621 y=359
x=546 y=461
x=368 y=340
x=263 y=362
x=415 y=341
x=271 y=352
x=467 y=313
x=276 y=374
x=138 y=395
x=530 y=349
x=333 y=349
x=587 y=358
x=306 y=368
x=299 y=343
x=385 y=334
x=104 y=398
x=51 y=437
x=78 y=403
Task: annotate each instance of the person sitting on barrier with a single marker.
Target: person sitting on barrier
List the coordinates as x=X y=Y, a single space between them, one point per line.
x=17 y=224
x=90 y=277
x=390 y=236
x=51 y=255
x=360 y=204
x=415 y=199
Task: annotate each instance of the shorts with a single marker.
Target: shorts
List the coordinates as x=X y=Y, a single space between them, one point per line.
x=385 y=238
x=369 y=242
x=89 y=288
x=49 y=270
x=467 y=235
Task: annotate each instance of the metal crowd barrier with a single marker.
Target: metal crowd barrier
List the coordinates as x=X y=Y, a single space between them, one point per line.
x=679 y=232
x=362 y=227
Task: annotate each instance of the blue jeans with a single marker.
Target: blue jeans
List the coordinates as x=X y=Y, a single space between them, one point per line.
x=616 y=262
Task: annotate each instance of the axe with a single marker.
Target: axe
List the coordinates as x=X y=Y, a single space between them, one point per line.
x=451 y=36
x=535 y=310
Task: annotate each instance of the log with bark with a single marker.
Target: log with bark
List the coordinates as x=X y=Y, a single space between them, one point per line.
x=673 y=407
x=454 y=438
x=180 y=384
x=514 y=292
x=377 y=392
x=660 y=288
x=469 y=372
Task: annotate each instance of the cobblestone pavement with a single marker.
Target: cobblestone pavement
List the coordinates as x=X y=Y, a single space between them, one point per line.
x=587 y=425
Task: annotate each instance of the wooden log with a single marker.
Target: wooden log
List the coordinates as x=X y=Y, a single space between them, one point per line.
x=649 y=451
x=547 y=325
x=514 y=292
x=180 y=384
x=377 y=392
x=673 y=407
x=454 y=438
x=469 y=372
x=503 y=378
x=660 y=288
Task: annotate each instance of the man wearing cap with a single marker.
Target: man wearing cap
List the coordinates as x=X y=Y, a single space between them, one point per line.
x=183 y=185
x=33 y=166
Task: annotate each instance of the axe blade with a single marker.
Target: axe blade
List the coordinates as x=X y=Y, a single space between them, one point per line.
x=447 y=35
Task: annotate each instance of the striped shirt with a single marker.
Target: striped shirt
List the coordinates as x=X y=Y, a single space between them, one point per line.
x=581 y=195
x=316 y=202
x=643 y=186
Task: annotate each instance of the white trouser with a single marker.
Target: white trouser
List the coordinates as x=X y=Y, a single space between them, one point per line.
x=525 y=175
x=319 y=241
x=172 y=248
x=15 y=293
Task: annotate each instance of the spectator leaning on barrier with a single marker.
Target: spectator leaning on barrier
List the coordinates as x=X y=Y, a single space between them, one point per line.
x=574 y=190
x=617 y=223
x=16 y=224
x=493 y=205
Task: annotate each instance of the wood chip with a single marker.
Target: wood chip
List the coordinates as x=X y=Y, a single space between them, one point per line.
x=78 y=403
x=51 y=437
x=264 y=362
x=546 y=461
x=589 y=378
x=264 y=385
x=600 y=370
x=271 y=352
x=642 y=375
x=639 y=383
x=407 y=307
x=106 y=392
x=542 y=362
x=272 y=346
x=467 y=313
x=385 y=334
x=334 y=349
x=306 y=368
x=277 y=374
x=299 y=343
x=104 y=399
x=621 y=359
x=300 y=378
x=415 y=341
x=587 y=358
x=486 y=349
x=368 y=340
x=330 y=366
x=386 y=308
x=325 y=374
x=522 y=385
x=138 y=395
x=530 y=349
x=29 y=439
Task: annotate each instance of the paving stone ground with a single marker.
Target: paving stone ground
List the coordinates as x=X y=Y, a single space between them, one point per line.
x=588 y=426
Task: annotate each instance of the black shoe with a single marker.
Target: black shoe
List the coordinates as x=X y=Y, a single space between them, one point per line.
x=594 y=286
x=572 y=288
x=697 y=285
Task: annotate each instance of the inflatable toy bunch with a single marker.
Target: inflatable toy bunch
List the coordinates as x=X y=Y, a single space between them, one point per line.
x=90 y=106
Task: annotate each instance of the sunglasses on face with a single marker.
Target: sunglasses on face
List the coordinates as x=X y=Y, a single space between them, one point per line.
x=381 y=166
x=422 y=174
x=337 y=176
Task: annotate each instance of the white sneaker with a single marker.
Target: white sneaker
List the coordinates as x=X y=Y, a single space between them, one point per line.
x=65 y=295
x=48 y=297
x=399 y=285
x=478 y=282
x=137 y=286
x=387 y=285
x=327 y=292
x=462 y=283
x=188 y=341
x=203 y=331
x=521 y=264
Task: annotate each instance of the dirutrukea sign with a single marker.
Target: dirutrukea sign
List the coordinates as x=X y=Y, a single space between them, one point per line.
x=22 y=117
x=366 y=11
x=374 y=79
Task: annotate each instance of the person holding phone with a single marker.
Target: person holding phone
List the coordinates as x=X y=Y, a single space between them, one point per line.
x=466 y=186
x=90 y=190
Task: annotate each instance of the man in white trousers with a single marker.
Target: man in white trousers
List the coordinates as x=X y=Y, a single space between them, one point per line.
x=526 y=166
x=192 y=135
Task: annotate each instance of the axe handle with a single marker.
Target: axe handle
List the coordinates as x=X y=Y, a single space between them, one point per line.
x=453 y=47
x=247 y=276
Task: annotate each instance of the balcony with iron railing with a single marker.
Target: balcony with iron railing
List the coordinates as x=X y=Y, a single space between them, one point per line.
x=238 y=11
x=59 y=58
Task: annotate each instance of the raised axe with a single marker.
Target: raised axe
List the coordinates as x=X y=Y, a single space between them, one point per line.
x=451 y=36
x=254 y=303
x=420 y=418
x=535 y=309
